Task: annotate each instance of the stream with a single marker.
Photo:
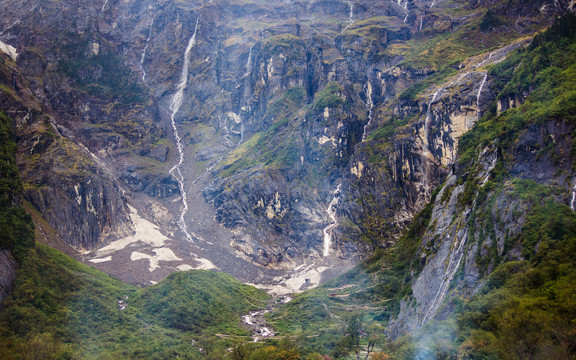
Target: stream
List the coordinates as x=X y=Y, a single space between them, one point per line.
x=175 y=105
x=370 y=106
x=331 y=211
x=256 y=322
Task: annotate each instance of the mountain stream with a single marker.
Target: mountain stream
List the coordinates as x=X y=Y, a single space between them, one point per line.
x=174 y=108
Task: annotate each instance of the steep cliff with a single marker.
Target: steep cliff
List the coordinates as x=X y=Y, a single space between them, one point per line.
x=514 y=166
x=286 y=134
x=282 y=142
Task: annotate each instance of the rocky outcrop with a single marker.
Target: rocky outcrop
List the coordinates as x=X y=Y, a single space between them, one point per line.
x=63 y=179
x=471 y=231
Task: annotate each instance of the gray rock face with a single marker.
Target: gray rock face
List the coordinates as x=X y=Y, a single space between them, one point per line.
x=284 y=104
x=464 y=242
x=7 y=274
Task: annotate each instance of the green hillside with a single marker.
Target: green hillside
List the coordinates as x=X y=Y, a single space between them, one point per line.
x=62 y=309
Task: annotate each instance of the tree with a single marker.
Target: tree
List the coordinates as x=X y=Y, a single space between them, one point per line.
x=239 y=352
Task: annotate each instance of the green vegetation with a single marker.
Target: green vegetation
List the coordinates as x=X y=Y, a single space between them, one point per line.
x=101 y=74
x=547 y=70
x=328 y=97
x=277 y=147
x=16 y=228
x=199 y=301
x=63 y=309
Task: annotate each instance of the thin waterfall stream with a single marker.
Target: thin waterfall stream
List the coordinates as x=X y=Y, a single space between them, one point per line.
x=331 y=211
x=427 y=121
x=370 y=106
x=175 y=105
x=350 y=16
x=479 y=94
x=454 y=260
x=145 y=49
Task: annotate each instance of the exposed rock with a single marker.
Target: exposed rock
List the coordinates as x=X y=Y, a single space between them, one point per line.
x=7 y=274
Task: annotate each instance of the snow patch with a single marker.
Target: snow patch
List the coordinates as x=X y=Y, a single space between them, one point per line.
x=101 y=260
x=162 y=254
x=145 y=231
x=8 y=49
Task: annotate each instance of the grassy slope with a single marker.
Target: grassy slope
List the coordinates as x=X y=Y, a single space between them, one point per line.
x=61 y=308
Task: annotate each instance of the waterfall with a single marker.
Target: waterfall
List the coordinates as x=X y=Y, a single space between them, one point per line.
x=433 y=3
x=350 y=16
x=421 y=21
x=104 y=6
x=331 y=211
x=427 y=119
x=404 y=5
x=480 y=93
x=144 y=51
x=369 y=105
x=486 y=60
x=247 y=89
x=451 y=269
x=174 y=107
x=249 y=63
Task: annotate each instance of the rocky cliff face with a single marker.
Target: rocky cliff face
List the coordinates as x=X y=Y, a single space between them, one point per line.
x=483 y=212
x=283 y=133
x=63 y=179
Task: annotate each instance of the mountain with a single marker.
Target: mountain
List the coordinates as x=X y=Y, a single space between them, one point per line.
x=415 y=157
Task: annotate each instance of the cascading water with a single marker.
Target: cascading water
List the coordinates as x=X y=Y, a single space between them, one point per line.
x=144 y=51
x=486 y=60
x=454 y=260
x=104 y=6
x=404 y=5
x=247 y=89
x=427 y=120
x=370 y=106
x=331 y=211
x=174 y=107
x=479 y=94
x=249 y=63
x=350 y=16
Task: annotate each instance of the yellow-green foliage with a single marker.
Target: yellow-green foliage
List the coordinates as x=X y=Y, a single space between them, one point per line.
x=291 y=44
